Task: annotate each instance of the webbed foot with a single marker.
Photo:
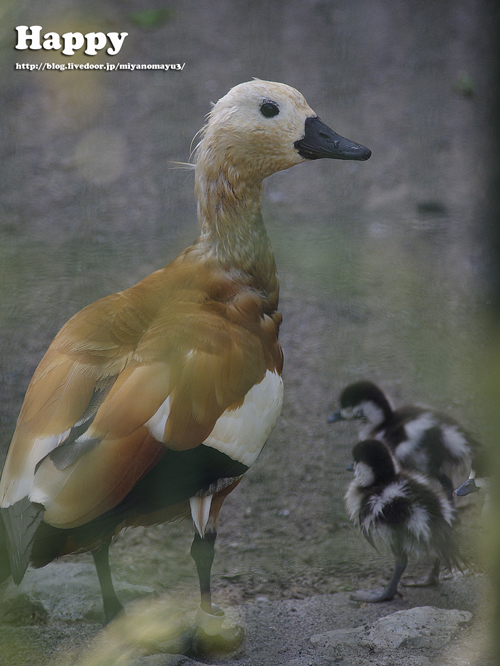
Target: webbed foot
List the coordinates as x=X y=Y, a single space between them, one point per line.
x=206 y=637
x=427 y=581
x=375 y=596
x=431 y=580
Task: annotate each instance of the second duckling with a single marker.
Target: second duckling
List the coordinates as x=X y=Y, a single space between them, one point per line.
x=403 y=509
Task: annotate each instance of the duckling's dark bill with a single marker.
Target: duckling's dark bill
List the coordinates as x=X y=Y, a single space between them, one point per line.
x=320 y=141
x=335 y=416
x=466 y=488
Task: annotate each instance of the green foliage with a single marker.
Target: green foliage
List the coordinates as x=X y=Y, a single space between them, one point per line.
x=464 y=86
x=151 y=18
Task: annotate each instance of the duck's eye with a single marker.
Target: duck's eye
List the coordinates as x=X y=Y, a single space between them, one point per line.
x=269 y=109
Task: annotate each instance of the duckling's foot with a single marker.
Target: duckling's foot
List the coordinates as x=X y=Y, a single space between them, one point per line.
x=206 y=637
x=375 y=596
x=427 y=581
x=431 y=580
x=390 y=590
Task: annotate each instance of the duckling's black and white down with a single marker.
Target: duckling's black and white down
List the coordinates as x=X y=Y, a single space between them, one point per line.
x=403 y=508
x=421 y=439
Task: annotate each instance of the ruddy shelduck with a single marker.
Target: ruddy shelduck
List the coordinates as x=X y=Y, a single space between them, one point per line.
x=150 y=404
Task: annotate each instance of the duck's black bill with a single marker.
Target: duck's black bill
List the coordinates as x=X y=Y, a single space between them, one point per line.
x=336 y=416
x=466 y=488
x=321 y=142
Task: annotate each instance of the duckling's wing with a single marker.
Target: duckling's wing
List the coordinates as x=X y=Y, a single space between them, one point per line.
x=444 y=543
x=385 y=513
x=404 y=427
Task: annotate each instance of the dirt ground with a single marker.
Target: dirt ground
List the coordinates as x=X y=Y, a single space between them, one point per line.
x=382 y=268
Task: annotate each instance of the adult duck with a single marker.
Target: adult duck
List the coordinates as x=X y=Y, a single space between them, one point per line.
x=151 y=404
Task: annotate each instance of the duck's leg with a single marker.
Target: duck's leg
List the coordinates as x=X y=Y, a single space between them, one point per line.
x=208 y=637
x=202 y=552
x=111 y=603
x=205 y=514
x=390 y=590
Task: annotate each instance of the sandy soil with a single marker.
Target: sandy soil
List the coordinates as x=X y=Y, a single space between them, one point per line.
x=381 y=265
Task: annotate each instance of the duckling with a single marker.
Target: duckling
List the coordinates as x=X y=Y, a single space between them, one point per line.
x=400 y=507
x=421 y=439
x=152 y=403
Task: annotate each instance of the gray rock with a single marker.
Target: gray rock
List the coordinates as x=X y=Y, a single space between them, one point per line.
x=421 y=627
x=70 y=591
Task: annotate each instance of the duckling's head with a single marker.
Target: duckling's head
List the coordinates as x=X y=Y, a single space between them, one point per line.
x=362 y=400
x=261 y=127
x=373 y=463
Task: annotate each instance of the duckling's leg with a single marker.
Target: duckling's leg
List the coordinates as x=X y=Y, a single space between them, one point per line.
x=432 y=580
x=390 y=590
x=111 y=603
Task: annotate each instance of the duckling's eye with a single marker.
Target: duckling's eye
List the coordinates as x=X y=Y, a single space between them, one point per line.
x=269 y=109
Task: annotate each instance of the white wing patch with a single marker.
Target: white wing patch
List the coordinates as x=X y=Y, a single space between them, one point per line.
x=241 y=433
x=19 y=486
x=158 y=421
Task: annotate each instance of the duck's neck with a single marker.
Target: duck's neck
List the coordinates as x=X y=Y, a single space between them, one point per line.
x=232 y=229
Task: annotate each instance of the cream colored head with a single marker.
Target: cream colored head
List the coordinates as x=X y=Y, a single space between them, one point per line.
x=253 y=132
x=239 y=136
x=258 y=128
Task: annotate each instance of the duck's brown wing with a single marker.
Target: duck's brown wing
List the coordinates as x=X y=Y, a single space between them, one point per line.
x=134 y=373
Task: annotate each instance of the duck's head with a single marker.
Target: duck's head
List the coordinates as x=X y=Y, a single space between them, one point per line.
x=362 y=400
x=373 y=463
x=261 y=127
